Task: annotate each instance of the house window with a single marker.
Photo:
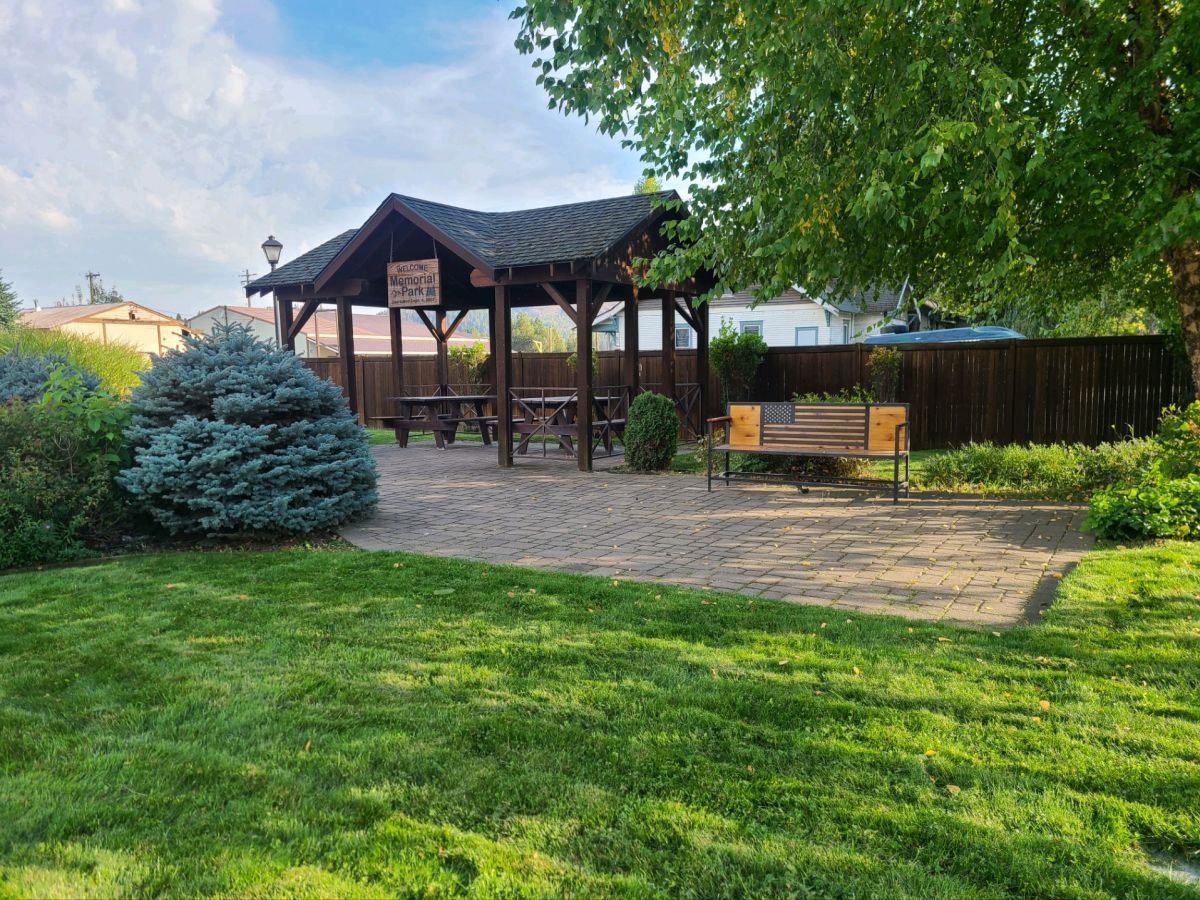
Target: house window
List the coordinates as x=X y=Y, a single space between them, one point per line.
x=845 y=332
x=806 y=337
x=683 y=337
x=753 y=328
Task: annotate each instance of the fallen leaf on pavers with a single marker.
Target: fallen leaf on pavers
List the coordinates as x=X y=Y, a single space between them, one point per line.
x=953 y=788
x=805 y=563
x=1044 y=704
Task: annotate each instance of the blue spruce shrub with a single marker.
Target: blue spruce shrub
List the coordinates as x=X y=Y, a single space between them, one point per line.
x=23 y=376
x=232 y=435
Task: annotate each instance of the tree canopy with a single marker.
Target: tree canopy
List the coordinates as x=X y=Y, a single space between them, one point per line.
x=987 y=151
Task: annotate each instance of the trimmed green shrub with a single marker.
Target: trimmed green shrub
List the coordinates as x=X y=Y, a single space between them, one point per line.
x=24 y=376
x=231 y=435
x=1053 y=471
x=117 y=365
x=652 y=433
x=1156 y=508
x=58 y=457
x=735 y=358
x=885 y=365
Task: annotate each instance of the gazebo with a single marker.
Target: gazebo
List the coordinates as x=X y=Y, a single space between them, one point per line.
x=444 y=261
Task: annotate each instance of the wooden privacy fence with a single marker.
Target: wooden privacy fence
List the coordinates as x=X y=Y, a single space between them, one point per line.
x=1067 y=389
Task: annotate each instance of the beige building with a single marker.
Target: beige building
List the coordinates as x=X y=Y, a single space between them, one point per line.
x=132 y=324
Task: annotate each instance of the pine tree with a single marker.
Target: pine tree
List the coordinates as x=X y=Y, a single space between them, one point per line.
x=232 y=435
x=10 y=306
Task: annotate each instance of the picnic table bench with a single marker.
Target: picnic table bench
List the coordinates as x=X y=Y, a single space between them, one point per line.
x=854 y=430
x=443 y=413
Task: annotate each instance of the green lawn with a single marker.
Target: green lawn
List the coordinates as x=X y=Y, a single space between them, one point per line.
x=341 y=723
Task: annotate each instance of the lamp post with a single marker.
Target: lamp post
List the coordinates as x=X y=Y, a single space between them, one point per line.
x=271 y=249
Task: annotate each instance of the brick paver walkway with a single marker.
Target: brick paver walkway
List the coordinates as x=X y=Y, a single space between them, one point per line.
x=965 y=560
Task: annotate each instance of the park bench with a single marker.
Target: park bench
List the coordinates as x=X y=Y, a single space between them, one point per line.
x=854 y=430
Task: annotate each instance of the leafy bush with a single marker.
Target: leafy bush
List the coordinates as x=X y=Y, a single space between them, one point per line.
x=652 y=433
x=117 y=365
x=231 y=435
x=1166 y=500
x=884 y=364
x=593 y=356
x=58 y=457
x=735 y=358
x=1056 y=471
x=1156 y=508
x=1179 y=441
x=24 y=376
x=855 y=394
x=469 y=362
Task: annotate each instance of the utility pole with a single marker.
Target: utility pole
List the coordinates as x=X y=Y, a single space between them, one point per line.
x=247 y=276
x=91 y=279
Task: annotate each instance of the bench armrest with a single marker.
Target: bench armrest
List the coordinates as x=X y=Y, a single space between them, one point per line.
x=716 y=419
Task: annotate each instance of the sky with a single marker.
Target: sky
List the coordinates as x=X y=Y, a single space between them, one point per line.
x=158 y=142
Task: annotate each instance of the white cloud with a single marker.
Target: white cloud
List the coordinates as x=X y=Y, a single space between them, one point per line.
x=142 y=142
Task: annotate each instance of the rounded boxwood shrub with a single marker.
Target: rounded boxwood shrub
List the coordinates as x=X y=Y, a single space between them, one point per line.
x=652 y=433
x=231 y=435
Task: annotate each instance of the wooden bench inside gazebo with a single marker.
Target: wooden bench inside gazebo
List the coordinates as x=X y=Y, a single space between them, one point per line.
x=444 y=261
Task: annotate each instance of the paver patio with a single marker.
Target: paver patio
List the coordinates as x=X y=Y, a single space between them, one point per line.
x=958 y=559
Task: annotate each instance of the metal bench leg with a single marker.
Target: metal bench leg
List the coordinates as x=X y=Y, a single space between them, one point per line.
x=709 y=463
x=896 y=477
x=727 y=467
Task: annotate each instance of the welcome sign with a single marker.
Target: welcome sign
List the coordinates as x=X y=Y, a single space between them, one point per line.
x=415 y=282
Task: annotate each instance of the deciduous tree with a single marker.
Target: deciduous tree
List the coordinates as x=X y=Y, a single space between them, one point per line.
x=968 y=146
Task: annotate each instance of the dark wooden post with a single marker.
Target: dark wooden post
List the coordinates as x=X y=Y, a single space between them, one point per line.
x=632 y=374
x=667 y=388
x=701 y=314
x=501 y=339
x=443 y=356
x=345 y=327
x=283 y=324
x=396 y=325
x=583 y=372
x=492 y=346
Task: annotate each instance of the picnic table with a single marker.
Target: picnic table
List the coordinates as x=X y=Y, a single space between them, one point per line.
x=556 y=414
x=440 y=414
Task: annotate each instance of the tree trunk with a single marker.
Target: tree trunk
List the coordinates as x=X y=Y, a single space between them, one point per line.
x=1184 y=263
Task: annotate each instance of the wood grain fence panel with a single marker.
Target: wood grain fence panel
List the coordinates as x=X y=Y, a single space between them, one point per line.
x=1086 y=389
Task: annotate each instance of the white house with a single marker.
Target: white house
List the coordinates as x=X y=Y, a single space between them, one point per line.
x=319 y=336
x=793 y=319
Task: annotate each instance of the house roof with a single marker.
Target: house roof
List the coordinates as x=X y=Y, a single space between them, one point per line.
x=372 y=333
x=57 y=316
x=878 y=303
x=569 y=231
